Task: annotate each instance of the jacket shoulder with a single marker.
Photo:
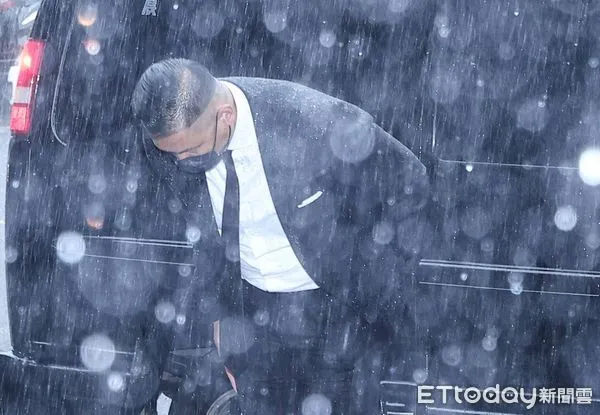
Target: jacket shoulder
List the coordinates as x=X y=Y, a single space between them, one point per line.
x=297 y=97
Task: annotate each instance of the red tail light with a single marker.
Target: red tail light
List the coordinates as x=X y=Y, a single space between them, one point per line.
x=5 y=5
x=30 y=63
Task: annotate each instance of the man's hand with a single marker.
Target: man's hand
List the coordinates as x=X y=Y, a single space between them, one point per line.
x=217 y=340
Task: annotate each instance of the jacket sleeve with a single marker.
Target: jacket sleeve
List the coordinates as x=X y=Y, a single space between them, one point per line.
x=392 y=184
x=387 y=193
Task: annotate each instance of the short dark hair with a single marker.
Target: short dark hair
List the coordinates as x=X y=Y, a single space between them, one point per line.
x=171 y=94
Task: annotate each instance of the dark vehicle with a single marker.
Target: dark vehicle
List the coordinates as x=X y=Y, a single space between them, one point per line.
x=100 y=258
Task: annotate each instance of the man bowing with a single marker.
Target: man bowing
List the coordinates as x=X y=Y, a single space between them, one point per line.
x=298 y=196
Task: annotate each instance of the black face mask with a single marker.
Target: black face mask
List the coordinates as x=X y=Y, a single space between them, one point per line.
x=203 y=162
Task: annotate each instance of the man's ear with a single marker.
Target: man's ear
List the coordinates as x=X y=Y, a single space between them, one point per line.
x=225 y=109
x=228 y=113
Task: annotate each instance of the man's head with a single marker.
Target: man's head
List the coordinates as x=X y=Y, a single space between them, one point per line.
x=184 y=110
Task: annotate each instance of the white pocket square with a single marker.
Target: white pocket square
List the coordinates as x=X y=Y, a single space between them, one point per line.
x=310 y=199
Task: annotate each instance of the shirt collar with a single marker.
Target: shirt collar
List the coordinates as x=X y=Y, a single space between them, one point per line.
x=244 y=123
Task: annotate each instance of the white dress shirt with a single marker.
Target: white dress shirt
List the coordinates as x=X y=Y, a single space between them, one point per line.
x=266 y=257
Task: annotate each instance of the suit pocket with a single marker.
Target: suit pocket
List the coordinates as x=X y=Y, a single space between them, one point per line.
x=316 y=207
x=310 y=199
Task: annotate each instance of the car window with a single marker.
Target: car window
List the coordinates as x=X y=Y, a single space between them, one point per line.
x=105 y=48
x=111 y=43
x=528 y=108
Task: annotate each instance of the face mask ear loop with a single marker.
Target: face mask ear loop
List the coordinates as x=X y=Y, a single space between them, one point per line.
x=216 y=130
x=228 y=141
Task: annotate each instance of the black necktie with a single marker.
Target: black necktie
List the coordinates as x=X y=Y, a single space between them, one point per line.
x=230 y=231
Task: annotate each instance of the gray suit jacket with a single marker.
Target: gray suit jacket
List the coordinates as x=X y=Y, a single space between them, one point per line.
x=342 y=188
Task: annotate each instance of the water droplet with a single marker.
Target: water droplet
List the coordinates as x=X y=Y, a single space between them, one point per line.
x=445 y=86
x=589 y=166
x=419 y=375
x=316 y=404
x=476 y=221
x=11 y=254
x=592 y=240
x=94 y=215
x=184 y=270
x=531 y=116
x=15 y=184
x=115 y=382
x=565 y=218
x=441 y=20
x=180 y=319
x=97 y=352
x=232 y=253
x=463 y=276
x=70 y=247
x=165 y=312
x=489 y=343
x=487 y=245
x=175 y=6
x=452 y=355
x=207 y=22
x=174 y=205
x=383 y=233
x=352 y=141
x=327 y=38
x=469 y=168
x=506 y=51
x=123 y=220
x=275 y=21
x=189 y=386
x=87 y=14
x=192 y=234
x=131 y=186
x=516 y=288
x=261 y=318
x=593 y=62
x=92 y=46
x=96 y=183
x=399 y=6
x=444 y=32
